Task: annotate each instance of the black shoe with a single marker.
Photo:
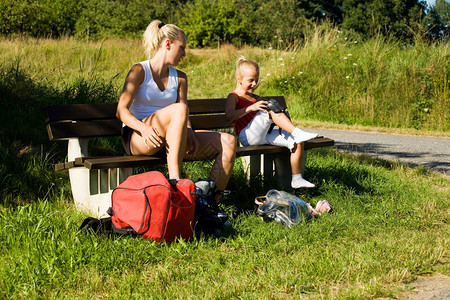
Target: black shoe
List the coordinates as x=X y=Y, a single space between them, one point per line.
x=209 y=217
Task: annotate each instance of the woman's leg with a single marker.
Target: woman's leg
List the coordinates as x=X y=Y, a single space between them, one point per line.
x=171 y=123
x=221 y=147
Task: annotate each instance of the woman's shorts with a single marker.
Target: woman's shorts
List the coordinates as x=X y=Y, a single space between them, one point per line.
x=256 y=133
x=126 y=139
x=127 y=132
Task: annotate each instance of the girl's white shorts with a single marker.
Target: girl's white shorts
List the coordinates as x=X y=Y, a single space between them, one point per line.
x=256 y=133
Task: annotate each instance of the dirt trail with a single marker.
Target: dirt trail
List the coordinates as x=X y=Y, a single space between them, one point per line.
x=435 y=287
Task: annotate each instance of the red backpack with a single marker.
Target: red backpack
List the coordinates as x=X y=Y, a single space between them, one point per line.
x=149 y=205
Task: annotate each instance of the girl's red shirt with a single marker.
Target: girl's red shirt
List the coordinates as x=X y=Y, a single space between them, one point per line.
x=243 y=121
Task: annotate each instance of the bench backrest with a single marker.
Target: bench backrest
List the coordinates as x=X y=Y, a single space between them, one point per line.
x=97 y=120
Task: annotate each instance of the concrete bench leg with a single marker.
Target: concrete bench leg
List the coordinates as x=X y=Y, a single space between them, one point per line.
x=252 y=166
x=283 y=171
x=269 y=165
x=91 y=189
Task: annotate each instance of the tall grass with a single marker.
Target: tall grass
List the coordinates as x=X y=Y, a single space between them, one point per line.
x=329 y=77
x=390 y=223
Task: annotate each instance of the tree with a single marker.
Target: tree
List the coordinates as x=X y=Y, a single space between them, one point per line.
x=121 y=18
x=438 y=20
x=395 y=17
x=209 y=22
x=38 y=18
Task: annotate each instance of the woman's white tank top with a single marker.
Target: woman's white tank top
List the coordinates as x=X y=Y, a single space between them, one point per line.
x=149 y=98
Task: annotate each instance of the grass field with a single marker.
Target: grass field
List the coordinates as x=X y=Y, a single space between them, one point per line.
x=391 y=222
x=377 y=83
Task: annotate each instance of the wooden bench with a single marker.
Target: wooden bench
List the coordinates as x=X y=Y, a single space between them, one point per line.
x=93 y=178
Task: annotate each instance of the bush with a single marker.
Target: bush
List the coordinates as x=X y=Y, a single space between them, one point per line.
x=38 y=18
x=101 y=19
x=275 y=21
x=209 y=22
x=398 y=18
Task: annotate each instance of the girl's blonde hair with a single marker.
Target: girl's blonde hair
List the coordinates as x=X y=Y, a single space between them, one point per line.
x=242 y=62
x=156 y=32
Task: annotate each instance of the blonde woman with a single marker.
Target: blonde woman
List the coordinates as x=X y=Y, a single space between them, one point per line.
x=153 y=109
x=252 y=120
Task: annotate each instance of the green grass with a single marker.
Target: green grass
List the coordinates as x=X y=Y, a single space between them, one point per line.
x=391 y=221
x=390 y=225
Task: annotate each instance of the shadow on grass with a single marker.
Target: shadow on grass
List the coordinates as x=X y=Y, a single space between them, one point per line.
x=27 y=155
x=376 y=150
x=349 y=171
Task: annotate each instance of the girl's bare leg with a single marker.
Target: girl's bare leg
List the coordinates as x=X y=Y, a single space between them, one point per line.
x=298 y=154
x=297 y=159
x=298 y=166
x=285 y=123
x=282 y=121
x=171 y=123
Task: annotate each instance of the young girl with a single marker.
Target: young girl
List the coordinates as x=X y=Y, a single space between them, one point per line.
x=153 y=109
x=251 y=121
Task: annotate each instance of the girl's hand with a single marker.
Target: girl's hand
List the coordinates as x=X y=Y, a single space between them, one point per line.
x=151 y=137
x=192 y=143
x=259 y=105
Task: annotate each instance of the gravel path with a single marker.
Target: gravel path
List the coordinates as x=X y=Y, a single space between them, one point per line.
x=430 y=152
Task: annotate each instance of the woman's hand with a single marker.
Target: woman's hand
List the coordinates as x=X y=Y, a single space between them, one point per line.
x=152 y=138
x=192 y=143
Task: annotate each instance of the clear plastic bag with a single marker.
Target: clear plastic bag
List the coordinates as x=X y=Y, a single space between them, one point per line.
x=284 y=208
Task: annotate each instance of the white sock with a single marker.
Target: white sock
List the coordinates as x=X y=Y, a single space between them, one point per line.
x=299 y=182
x=301 y=136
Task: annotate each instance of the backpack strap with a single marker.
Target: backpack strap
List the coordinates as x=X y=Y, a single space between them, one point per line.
x=102 y=226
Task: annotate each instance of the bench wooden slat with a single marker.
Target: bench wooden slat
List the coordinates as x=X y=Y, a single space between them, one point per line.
x=261 y=149
x=83 y=129
x=103 y=162
x=99 y=119
x=94 y=163
x=318 y=142
x=207 y=106
x=210 y=121
x=80 y=112
x=122 y=162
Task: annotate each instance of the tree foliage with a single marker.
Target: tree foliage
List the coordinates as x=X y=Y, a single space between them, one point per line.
x=371 y=17
x=438 y=20
x=126 y=18
x=207 y=22
x=38 y=18
x=275 y=21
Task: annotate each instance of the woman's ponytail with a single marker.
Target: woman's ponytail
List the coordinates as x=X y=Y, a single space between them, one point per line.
x=156 y=32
